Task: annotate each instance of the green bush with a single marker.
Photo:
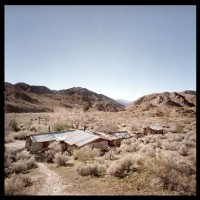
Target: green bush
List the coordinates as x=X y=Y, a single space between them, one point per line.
x=59 y=126
x=14 y=125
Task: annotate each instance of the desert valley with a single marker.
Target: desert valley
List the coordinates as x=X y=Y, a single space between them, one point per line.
x=77 y=142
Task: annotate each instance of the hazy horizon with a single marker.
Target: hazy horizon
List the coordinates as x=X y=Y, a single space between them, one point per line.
x=123 y=52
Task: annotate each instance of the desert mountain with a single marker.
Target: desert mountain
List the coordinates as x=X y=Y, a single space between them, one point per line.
x=186 y=99
x=22 y=97
x=124 y=102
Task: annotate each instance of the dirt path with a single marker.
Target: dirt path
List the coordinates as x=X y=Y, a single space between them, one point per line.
x=53 y=184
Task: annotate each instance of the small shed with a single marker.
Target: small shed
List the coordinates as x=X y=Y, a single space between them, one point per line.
x=153 y=130
x=114 y=138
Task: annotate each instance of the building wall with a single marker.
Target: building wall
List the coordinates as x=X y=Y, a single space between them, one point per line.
x=152 y=131
x=103 y=145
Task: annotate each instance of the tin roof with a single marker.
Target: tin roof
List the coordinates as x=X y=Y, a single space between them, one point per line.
x=80 y=138
x=156 y=127
x=121 y=134
x=75 y=137
x=42 y=138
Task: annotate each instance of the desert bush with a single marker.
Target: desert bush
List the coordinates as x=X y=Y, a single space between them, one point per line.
x=178 y=138
x=86 y=153
x=23 y=155
x=119 y=168
x=61 y=158
x=109 y=155
x=172 y=146
x=31 y=163
x=171 y=178
x=54 y=148
x=60 y=126
x=87 y=169
x=16 y=183
x=179 y=128
x=14 y=125
x=18 y=162
x=135 y=127
x=183 y=150
x=19 y=167
x=21 y=135
x=126 y=141
x=9 y=138
x=49 y=155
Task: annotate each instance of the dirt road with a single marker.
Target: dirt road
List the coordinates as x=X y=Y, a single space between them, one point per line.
x=53 y=184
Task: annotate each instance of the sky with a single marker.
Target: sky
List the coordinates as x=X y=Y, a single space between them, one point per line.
x=123 y=52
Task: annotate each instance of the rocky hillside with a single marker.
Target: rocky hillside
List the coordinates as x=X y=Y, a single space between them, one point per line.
x=186 y=99
x=22 y=97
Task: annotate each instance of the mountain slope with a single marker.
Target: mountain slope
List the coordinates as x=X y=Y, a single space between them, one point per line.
x=22 y=97
x=166 y=99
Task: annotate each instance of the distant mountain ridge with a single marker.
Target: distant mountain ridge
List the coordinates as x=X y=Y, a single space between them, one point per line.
x=124 y=102
x=22 y=97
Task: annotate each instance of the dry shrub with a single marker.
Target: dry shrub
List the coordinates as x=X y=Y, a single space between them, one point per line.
x=174 y=176
x=119 y=168
x=23 y=155
x=18 y=162
x=31 y=163
x=172 y=146
x=109 y=155
x=86 y=153
x=148 y=150
x=135 y=127
x=126 y=141
x=61 y=158
x=60 y=126
x=178 y=138
x=16 y=183
x=87 y=169
x=21 y=135
x=55 y=147
x=49 y=155
x=183 y=150
x=20 y=167
x=14 y=125
x=179 y=128
x=9 y=138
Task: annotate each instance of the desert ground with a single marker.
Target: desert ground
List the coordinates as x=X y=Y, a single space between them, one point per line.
x=161 y=164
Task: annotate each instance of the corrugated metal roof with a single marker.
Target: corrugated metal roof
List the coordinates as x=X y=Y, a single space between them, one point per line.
x=60 y=136
x=42 y=138
x=156 y=127
x=80 y=138
x=75 y=137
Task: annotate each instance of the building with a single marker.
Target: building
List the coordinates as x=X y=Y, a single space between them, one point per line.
x=114 y=138
x=152 y=130
x=69 y=140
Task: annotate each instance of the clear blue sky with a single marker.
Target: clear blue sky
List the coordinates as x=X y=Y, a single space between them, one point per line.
x=120 y=51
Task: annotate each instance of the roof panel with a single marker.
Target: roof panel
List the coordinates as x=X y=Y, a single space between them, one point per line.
x=156 y=127
x=76 y=137
x=42 y=138
x=80 y=138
